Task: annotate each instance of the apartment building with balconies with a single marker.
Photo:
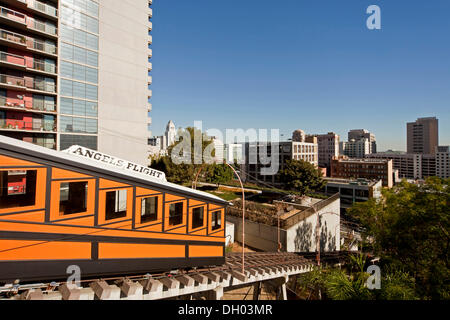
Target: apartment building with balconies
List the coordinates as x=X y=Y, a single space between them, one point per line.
x=77 y=72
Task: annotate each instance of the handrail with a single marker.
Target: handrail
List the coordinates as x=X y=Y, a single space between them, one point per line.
x=5 y=33
x=6 y=12
x=45 y=8
x=4 y=57
x=13 y=124
x=42 y=86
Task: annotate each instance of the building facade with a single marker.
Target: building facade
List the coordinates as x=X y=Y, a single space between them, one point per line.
x=328 y=147
x=358 y=134
x=77 y=72
x=423 y=136
x=418 y=166
x=443 y=162
x=289 y=150
x=372 y=169
x=353 y=190
x=355 y=148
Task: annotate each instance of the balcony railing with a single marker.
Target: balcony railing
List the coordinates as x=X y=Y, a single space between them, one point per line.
x=13 y=37
x=12 y=80
x=41 y=46
x=12 y=58
x=28 y=83
x=13 y=15
x=36 y=106
x=30 y=42
x=45 y=8
x=45 y=67
x=12 y=124
x=40 y=26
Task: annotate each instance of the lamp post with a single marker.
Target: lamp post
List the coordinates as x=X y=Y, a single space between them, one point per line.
x=318 y=233
x=194 y=186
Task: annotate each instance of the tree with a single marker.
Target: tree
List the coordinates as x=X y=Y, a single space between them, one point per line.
x=301 y=176
x=189 y=158
x=349 y=283
x=220 y=173
x=410 y=230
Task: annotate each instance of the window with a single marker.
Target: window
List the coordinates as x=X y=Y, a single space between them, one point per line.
x=216 y=222
x=176 y=214
x=85 y=141
x=17 y=188
x=73 y=197
x=149 y=209
x=197 y=217
x=116 y=204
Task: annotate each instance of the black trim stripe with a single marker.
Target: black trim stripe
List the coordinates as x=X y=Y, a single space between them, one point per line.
x=16 y=235
x=100 y=228
x=56 y=270
x=97 y=199
x=48 y=194
x=22 y=167
x=20 y=212
x=73 y=218
x=133 y=209
x=73 y=179
x=148 y=225
x=150 y=195
x=179 y=227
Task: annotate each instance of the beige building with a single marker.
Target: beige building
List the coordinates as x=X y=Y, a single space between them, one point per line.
x=328 y=147
x=422 y=136
x=361 y=134
x=77 y=72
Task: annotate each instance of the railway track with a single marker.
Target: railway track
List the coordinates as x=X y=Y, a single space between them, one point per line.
x=171 y=284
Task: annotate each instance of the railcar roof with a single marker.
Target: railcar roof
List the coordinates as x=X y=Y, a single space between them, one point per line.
x=66 y=158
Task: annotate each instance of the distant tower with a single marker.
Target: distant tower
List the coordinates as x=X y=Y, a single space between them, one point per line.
x=360 y=134
x=298 y=136
x=170 y=134
x=423 y=136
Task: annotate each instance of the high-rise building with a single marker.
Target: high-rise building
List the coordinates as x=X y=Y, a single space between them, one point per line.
x=443 y=161
x=170 y=134
x=358 y=134
x=355 y=148
x=422 y=136
x=77 y=72
x=328 y=147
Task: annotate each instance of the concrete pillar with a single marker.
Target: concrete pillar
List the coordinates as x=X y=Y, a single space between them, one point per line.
x=104 y=291
x=70 y=291
x=256 y=290
x=215 y=294
x=32 y=294
x=132 y=290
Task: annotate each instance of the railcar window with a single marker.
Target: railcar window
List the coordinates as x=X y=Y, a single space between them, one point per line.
x=18 y=188
x=197 y=217
x=216 y=220
x=176 y=214
x=149 y=210
x=73 y=197
x=116 y=204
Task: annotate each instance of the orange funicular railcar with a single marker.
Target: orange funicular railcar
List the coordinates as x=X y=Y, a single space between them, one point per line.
x=105 y=215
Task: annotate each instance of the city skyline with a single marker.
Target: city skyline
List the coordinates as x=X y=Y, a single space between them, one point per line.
x=313 y=66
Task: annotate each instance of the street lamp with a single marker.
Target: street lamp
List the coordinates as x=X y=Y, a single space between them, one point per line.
x=318 y=233
x=194 y=186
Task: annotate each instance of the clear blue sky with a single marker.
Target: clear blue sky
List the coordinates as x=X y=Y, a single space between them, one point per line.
x=302 y=64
